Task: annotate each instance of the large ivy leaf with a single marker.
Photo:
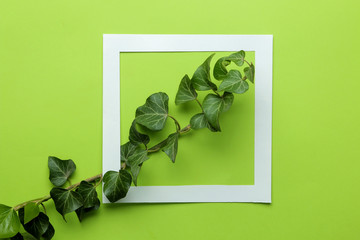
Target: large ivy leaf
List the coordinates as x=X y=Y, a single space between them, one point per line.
x=220 y=70
x=116 y=184
x=233 y=83
x=201 y=78
x=136 y=137
x=60 y=170
x=171 y=146
x=186 y=91
x=90 y=199
x=154 y=112
x=9 y=222
x=237 y=58
x=31 y=211
x=135 y=161
x=213 y=105
x=37 y=226
x=66 y=201
x=250 y=73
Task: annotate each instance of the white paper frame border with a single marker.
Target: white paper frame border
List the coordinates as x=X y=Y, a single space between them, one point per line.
x=114 y=44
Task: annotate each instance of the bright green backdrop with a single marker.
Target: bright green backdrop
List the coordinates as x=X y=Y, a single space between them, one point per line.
x=51 y=104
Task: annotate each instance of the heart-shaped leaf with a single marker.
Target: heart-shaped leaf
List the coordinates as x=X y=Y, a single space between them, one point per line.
x=31 y=211
x=201 y=78
x=9 y=222
x=37 y=226
x=135 y=161
x=90 y=199
x=60 y=170
x=233 y=83
x=136 y=137
x=220 y=70
x=66 y=201
x=237 y=58
x=116 y=184
x=154 y=112
x=213 y=105
x=250 y=73
x=186 y=91
x=171 y=146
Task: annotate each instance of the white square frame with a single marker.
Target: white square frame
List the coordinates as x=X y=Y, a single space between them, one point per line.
x=114 y=44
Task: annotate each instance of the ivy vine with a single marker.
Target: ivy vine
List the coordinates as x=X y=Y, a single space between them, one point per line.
x=29 y=220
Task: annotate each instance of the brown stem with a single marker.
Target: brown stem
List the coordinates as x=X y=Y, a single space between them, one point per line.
x=47 y=197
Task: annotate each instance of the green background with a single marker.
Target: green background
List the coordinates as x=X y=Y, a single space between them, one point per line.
x=51 y=104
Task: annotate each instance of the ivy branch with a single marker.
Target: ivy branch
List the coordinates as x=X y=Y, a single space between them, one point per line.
x=82 y=197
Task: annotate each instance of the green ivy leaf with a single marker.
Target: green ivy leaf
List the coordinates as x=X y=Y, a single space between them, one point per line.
x=233 y=83
x=198 y=121
x=250 y=73
x=90 y=199
x=186 y=91
x=237 y=58
x=228 y=99
x=37 y=226
x=220 y=70
x=154 y=112
x=60 y=170
x=50 y=232
x=135 y=162
x=116 y=184
x=126 y=150
x=66 y=201
x=171 y=146
x=31 y=211
x=136 y=137
x=9 y=222
x=201 y=78
x=213 y=105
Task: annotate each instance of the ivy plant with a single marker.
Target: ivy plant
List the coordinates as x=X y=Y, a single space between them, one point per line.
x=29 y=220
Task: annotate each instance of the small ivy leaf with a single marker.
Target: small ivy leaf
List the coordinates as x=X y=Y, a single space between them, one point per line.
x=37 y=226
x=50 y=232
x=9 y=222
x=171 y=146
x=237 y=58
x=213 y=105
x=234 y=83
x=250 y=73
x=60 y=170
x=135 y=162
x=136 y=137
x=31 y=211
x=90 y=199
x=198 y=121
x=116 y=184
x=126 y=150
x=186 y=91
x=228 y=99
x=201 y=78
x=66 y=201
x=220 y=70
x=154 y=112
